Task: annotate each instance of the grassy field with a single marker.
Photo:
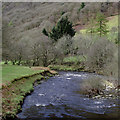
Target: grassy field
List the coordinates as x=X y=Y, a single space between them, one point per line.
x=14 y=93
x=112 y=21
x=113 y=24
x=11 y=72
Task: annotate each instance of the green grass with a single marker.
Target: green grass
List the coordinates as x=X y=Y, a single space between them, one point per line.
x=83 y=31
x=112 y=22
x=71 y=63
x=11 y=72
x=14 y=93
x=74 y=59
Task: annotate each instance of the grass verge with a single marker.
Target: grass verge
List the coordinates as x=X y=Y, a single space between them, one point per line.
x=14 y=93
x=11 y=72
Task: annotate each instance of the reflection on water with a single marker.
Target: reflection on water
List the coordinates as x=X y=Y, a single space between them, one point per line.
x=55 y=98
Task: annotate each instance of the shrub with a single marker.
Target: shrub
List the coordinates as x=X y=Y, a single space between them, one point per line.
x=92 y=86
x=101 y=53
x=82 y=44
x=65 y=45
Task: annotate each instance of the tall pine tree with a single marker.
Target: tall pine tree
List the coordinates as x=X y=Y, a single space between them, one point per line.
x=101 y=26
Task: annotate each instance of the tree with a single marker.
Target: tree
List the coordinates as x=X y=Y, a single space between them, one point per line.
x=100 y=53
x=19 y=51
x=6 y=43
x=45 y=32
x=62 y=13
x=82 y=6
x=42 y=52
x=63 y=27
x=46 y=52
x=35 y=53
x=65 y=45
x=101 y=26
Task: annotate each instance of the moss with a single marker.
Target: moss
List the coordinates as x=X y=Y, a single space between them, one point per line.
x=49 y=74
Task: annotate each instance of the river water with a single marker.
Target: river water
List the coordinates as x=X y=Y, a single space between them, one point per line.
x=56 y=98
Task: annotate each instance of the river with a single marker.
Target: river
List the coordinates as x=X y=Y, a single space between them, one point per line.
x=57 y=98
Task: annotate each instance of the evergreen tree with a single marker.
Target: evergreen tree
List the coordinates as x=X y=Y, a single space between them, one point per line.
x=63 y=27
x=101 y=26
x=45 y=32
x=82 y=6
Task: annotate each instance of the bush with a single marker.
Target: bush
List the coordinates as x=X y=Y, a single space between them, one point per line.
x=82 y=44
x=92 y=86
x=101 y=54
x=76 y=60
x=65 y=45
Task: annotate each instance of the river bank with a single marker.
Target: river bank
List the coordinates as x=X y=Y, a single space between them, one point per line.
x=14 y=93
x=62 y=101
x=97 y=87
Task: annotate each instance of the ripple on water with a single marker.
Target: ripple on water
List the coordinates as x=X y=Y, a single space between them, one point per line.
x=41 y=94
x=41 y=104
x=68 y=78
x=56 y=97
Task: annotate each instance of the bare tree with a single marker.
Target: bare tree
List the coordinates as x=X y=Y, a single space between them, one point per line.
x=100 y=53
x=19 y=51
x=43 y=52
x=47 y=55
x=5 y=42
x=65 y=45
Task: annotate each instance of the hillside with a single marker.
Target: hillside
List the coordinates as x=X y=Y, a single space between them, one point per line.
x=25 y=21
x=112 y=22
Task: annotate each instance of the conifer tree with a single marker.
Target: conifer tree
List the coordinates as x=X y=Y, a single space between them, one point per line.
x=82 y=6
x=63 y=27
x=45 y=32
x=101 y=26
